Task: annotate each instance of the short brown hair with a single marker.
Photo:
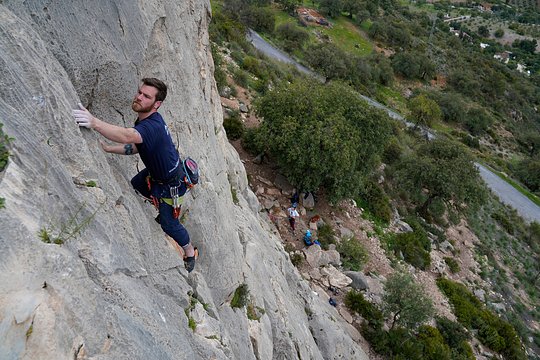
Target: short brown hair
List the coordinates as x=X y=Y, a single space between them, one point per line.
x=159 y=85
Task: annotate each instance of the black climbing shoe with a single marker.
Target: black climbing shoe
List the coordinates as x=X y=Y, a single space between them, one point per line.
x=158 y=219
x=189 y=261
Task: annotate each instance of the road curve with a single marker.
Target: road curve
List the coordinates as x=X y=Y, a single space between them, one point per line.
x=528 y=210
x=263 y=46
x=510 y=195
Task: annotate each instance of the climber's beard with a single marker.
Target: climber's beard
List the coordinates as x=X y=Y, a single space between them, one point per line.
x=138 y=107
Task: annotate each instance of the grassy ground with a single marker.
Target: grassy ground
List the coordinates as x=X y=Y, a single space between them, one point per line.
x=346 y=35
x=343 y=33
x=392 y=98
x=508 y=261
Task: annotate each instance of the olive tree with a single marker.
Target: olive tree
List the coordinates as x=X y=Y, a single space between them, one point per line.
x=406 y=301
x=441 y=170
x=424 y=111
x=322 y=135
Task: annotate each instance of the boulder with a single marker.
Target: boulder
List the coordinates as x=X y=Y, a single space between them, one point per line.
x=403 y=227
x=308 y=201
x=316 y=257
x=243 y=107
x=359 y=280
x=446 y=246
x=335 y=277
x=283 y=184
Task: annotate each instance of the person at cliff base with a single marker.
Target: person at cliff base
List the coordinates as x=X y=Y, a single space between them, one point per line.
x=307 y=238
x=150 y=138
x=293 y=215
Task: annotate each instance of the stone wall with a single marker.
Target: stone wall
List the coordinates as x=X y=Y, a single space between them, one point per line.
x=116 y=287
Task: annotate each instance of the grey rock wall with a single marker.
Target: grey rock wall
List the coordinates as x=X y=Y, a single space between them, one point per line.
x=116 y=288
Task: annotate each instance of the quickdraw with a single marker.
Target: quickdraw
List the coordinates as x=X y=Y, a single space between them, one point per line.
x=175 y=201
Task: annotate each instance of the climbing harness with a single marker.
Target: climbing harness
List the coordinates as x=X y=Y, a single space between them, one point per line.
x=175 y=200
x=190 y=179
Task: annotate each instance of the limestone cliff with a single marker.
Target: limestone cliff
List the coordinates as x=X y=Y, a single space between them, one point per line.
x=115 y=288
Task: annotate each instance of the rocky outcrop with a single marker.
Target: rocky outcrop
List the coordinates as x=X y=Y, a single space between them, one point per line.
x=86 y=272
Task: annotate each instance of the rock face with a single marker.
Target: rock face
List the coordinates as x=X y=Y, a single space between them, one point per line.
x=115 y=288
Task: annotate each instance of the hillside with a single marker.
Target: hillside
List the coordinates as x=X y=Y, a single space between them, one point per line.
x=490 y=250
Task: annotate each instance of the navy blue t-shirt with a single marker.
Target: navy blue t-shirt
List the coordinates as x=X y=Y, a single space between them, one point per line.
x=157 y=150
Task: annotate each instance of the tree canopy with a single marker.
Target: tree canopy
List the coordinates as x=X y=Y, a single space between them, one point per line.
x=322 y=135
x=424 y=111
x=406 y=301
x=441 y=170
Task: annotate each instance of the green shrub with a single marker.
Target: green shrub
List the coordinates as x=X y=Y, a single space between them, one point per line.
x=376 y=337
x=292 y=36
x=255 y=67
x=471 y=141
x=356 y=302
x=465 y=304
x=234 y=195
x=433 y=344
x=297 y=259
x=224 y=29
x=452 y=264
x=326 y=236
x=489 y=336
x=219 y=74
x=5 y=140
x=353 y=254
x=261 y=86
x=528 y=172
x=240 y=297
x=258 y=18
x=192 y=324
x=504 y=221
x=251 y=141
x=412 y=246
x=377 y=201
x=419 y=225
x=241 y=78
x=493 y=332
x=234 y=126
x=533 y=238
x=254 y=312
x=478 y=121
x=456 y=337
x=392 y=152
x=404 y=345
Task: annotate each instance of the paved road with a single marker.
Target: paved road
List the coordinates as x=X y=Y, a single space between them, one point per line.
x=510 y=196
x=506 y=192
x=260 y=44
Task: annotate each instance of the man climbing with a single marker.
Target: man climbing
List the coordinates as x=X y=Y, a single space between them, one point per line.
x=150 y=138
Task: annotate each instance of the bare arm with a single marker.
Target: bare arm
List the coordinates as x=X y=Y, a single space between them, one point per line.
x=117 y=134
x=112 y=132
x=127 y=149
